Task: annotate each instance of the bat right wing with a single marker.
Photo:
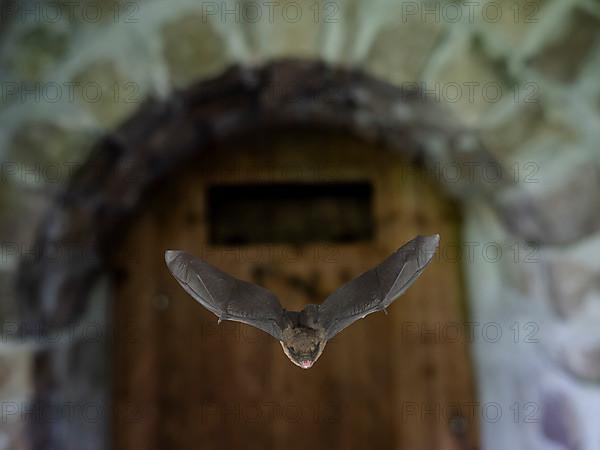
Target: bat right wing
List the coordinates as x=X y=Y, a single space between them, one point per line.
x=226 y=296
x=377 y=288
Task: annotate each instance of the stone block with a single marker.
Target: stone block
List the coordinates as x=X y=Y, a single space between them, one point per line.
x=35 y=50
x=44 y=142
x=7 y=290
x=42 y=155
x=572 y=276
x=192 y=49
x=506 y=133
x=559 y=420
x=576 y=347
x=106 y=92
x=562 y=57
x=467 y=80
x=505 y=24
x=20 y=213
x=584 y=361
x=402 y=47
x=558 y=204
x=287 y=28
x=569 y=282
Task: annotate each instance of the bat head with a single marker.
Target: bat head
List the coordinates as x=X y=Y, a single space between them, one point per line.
x=303 y=345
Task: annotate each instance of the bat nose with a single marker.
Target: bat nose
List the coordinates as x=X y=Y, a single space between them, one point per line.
x=306 y=364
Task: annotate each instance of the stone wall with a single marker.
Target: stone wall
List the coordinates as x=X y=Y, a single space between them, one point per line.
x=525 y=75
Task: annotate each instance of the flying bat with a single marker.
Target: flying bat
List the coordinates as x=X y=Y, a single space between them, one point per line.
x=303 y=334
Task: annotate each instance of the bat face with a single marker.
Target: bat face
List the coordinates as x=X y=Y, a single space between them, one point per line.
x=303 y=346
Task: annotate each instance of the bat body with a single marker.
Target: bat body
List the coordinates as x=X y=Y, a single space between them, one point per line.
x=303 y=334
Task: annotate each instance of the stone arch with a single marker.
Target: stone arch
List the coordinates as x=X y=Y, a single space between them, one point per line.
x=163 y=135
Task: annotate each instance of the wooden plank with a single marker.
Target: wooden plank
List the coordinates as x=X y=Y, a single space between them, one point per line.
x=137 y=353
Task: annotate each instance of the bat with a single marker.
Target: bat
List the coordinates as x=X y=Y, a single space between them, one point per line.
x=303 y=334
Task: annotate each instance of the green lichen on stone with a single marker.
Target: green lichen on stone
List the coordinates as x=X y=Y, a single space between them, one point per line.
x=37 y=49
x=506 y=23
x=292 y=28
x=107 y=93
x=42 y=157
x=400 y=51
x=192 y=49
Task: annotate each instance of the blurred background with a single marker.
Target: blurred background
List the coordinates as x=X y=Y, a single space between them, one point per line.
x=296 y=144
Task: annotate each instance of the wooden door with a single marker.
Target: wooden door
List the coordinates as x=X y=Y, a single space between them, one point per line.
x=182 y=382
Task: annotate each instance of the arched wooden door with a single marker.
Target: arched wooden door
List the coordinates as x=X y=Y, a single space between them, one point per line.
x=299 y=213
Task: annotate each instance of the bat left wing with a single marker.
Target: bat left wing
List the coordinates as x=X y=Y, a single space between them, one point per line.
x=377 y=288
x=226 y=296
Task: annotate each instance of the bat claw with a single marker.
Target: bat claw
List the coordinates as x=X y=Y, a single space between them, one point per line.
x=219 y=320
x=385 y=311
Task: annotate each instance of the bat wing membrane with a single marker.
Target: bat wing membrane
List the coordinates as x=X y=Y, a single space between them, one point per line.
x=377 y=288
x=226 y=296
